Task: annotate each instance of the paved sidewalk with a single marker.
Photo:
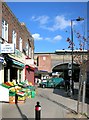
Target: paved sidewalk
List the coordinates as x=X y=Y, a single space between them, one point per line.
x=72 y=103
x=75 y=116
x=56 y=96
x=68 y=103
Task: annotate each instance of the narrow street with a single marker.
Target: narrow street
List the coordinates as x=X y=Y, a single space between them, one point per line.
x=52 y=104
x=44 y=60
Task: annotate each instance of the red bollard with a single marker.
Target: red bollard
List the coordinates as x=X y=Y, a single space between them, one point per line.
x=38 y=111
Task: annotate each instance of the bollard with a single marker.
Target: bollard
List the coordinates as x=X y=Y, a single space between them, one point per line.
x=38 y=111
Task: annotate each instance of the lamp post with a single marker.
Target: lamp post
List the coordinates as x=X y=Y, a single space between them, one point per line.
x=78 y=19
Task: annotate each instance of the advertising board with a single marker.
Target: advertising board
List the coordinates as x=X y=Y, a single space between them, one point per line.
x=7 y=48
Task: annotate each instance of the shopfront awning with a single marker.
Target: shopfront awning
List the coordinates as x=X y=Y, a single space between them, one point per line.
x=29 y=67
x=11 y=62
x=18 y=63
x=41 y=72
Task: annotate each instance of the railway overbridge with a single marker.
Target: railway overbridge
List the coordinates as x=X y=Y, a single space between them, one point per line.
x=58 y=61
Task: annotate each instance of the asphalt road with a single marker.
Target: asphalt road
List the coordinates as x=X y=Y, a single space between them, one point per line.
x=53 y=105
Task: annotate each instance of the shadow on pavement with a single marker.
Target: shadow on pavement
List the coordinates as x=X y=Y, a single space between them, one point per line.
x=62 y=92
x=22 y=115
x=3 y=102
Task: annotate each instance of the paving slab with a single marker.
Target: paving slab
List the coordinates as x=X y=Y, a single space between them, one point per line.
x=54 y=103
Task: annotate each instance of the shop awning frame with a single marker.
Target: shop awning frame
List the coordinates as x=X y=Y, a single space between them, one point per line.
x=12 y=62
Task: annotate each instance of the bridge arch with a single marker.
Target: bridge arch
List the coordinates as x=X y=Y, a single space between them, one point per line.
x=63 y=68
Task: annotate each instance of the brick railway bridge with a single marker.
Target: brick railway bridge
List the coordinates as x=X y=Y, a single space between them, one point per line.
x=59 y=60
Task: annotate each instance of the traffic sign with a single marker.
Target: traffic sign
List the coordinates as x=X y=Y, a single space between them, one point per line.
x=69 y=72
x=69 y=65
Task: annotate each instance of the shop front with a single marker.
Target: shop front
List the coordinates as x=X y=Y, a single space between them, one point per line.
x=29 y=74
x=1 y=69
x=13 y=70
x=29 y=70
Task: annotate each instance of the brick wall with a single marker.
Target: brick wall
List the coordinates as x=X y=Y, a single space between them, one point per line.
x=14 y=24
x=44 y=63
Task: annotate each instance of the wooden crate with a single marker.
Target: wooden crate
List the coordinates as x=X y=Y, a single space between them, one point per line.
x=12 y=99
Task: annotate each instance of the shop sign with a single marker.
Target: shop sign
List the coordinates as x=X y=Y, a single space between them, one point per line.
x=7 y=48
x=1 y=59
x=17 y=54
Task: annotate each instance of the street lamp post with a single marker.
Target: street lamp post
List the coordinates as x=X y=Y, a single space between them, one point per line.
x=78 y=19
x=72 y=54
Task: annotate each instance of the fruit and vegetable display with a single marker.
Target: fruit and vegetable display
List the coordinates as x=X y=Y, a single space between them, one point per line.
x=19 y=92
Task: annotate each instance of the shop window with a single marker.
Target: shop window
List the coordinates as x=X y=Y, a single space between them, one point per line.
x=20 y=44
x=5 y=75
x=14 y=37
x=4 y=30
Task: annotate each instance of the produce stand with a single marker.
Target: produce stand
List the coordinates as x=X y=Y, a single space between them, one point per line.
x=17 y=93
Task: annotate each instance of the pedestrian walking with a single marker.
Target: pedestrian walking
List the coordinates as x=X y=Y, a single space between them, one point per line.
x=67 y=85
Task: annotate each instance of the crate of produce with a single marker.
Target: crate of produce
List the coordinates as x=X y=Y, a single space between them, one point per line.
x=6 y=86
x=12 y=99
x=12 y=93
x=33 y=94
x=29 y=94
x=31 y=87
x=21 y=98
x=20 y=93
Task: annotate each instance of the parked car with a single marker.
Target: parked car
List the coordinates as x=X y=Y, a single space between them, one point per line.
x=52 y=83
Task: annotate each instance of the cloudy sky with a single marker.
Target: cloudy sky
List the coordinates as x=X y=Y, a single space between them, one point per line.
x=50 y=22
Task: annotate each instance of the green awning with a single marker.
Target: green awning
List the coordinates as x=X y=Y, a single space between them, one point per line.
x=10 y=62
x=18 y=63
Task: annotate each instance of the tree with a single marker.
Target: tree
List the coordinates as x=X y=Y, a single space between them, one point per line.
x=76 y=58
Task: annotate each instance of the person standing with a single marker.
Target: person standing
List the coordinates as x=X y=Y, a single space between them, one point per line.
x=67 y=85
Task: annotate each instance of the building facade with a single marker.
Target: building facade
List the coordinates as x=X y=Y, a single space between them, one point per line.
x=44 y=63
x=16 y=48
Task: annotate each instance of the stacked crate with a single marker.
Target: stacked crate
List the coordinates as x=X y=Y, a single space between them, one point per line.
x=12 y=97
x=21 y=97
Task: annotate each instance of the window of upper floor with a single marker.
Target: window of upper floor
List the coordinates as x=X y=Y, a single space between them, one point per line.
x=20 y=44
x=27 y=49
x=30 y=52
x=14 y=35
x=4 y=30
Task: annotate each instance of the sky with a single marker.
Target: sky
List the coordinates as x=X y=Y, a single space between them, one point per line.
x=50 y=22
